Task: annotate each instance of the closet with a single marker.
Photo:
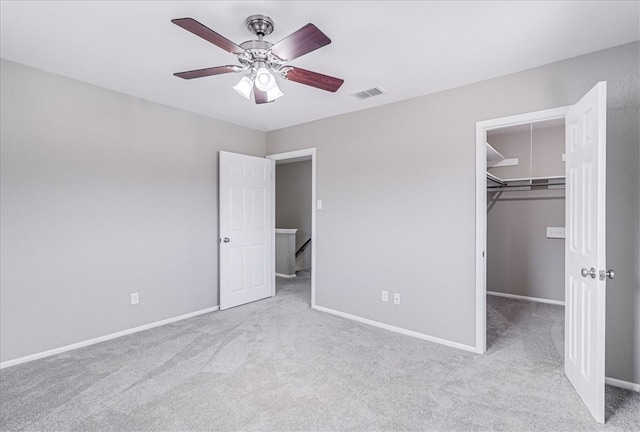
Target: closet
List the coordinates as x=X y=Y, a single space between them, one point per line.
x=526 y=211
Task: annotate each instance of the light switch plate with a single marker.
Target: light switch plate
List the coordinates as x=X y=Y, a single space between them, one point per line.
x=556 y=232
x=319 y=206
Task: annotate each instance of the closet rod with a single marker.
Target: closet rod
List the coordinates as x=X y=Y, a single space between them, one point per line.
x=549 y=186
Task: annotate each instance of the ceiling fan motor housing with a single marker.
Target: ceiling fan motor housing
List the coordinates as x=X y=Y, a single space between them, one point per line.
x=260 y=25
x=257 y=53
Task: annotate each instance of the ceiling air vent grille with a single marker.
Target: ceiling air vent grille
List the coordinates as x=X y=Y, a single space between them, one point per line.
x=366 y=94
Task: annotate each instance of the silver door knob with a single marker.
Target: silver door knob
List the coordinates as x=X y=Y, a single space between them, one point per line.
x=226 y=240
x=610 y=274
x=584 y=272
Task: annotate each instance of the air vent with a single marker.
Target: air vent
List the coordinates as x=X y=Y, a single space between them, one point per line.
x=366 y=94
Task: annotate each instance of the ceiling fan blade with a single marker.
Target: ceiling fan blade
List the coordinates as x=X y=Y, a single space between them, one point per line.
x=199 y=73
x=207 y=34
x=300 y=42
x=260 y=96
x=313 y=79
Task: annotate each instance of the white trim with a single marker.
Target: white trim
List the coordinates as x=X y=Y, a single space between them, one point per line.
x=299 y=154
x=622 y=384
x=519 y=297
x=481 y=206
x=104 y=338
x=532 y=117
x=481 y=238
x=313 y=227
x=396 y=329
x=285 y=276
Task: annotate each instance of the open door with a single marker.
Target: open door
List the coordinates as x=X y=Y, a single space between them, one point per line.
x=585 y=273
x=246 y=229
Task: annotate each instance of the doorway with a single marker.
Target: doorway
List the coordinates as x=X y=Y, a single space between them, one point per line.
x=526 y=211
x=306 y=244
x=525 y=250
x=483 y=179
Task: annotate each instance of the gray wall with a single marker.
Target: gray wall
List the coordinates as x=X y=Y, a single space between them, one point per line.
x=398 y=190
x=102 y=195
x=521 y=259
x=293 y=204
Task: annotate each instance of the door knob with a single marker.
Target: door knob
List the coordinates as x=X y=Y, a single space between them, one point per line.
x=584 y=272
x=607 y=274
x=226 y=240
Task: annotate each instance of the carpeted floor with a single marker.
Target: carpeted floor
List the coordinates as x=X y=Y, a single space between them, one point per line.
x=277 y=365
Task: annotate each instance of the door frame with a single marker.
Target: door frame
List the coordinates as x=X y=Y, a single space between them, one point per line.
x=481 y=206
x=303 y=155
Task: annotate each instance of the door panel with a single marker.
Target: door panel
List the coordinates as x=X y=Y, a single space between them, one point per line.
x=585 y=248
x=246 y=221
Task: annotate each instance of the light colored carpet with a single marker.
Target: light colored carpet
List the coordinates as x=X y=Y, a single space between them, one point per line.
x=277 y=365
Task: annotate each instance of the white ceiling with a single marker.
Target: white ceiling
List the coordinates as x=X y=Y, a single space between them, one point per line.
x=406 y=48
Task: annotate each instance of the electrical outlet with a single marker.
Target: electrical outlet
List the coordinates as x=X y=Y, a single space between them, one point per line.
x=385 y=296
x=396 y=298
x=135 y=299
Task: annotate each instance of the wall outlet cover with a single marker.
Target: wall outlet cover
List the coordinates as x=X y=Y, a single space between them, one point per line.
x=396 y=298
x=135 y=299
x=385 y=296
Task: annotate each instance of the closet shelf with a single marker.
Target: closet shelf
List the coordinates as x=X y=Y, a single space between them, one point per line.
x=495 y=158
x=495 y=179
x=520 y=179
x=496 y=184
x=493 y=155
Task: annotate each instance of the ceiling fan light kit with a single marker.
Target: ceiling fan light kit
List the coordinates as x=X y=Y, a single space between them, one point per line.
x=244 y=87
x=274 y=93
x=264 y=80
x=263 y=60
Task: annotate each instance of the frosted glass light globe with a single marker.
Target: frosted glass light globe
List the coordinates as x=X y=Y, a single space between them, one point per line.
x=264 y=80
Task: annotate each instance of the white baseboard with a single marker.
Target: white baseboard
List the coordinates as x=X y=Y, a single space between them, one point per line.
x=622 y=384
x=104 y=338
x=609 y=381
x=519 y=297
x=397 y=329
x=285 y=276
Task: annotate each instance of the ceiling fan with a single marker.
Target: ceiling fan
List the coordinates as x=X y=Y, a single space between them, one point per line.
x=262 y=60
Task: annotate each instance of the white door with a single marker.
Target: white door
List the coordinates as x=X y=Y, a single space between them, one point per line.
x=585 y=280
x=246 y=229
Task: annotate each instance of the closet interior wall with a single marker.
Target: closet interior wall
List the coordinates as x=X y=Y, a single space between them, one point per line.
x=521 y=260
